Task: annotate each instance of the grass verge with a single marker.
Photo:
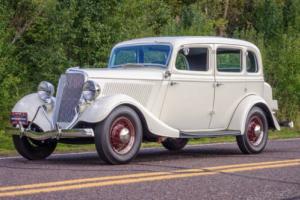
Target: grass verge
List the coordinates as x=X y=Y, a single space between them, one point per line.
x=7 y=148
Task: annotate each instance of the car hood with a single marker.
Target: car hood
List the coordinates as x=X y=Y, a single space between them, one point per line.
x=138 y=73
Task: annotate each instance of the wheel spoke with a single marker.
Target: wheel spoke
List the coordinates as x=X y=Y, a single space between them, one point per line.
x=122 y=135
x=255 y=130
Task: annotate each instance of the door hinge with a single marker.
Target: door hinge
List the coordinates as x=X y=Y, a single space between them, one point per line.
x=167 y=74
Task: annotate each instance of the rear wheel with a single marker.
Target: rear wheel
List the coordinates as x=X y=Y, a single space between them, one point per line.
x=175 y=144
x=255 y=137
x=33 y=149
x=118 y=138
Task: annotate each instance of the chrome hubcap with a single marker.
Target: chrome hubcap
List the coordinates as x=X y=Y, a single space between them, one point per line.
x=257 y=130
x=124 y=135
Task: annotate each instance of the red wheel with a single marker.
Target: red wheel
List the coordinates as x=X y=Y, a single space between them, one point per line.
x=118 y=138
x=122 y=135
x=255 y=137
x=255 y=130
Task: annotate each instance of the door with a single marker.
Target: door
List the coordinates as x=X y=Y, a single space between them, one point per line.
x=230 y=85
x=189 y=98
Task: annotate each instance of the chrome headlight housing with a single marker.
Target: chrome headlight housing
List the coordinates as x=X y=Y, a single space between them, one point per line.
x=91 y=90
x=45 y=91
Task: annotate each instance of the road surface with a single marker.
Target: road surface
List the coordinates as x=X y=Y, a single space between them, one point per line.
x=216 y=171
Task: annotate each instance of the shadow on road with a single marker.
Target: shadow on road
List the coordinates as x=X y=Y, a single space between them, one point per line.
x=148 y=155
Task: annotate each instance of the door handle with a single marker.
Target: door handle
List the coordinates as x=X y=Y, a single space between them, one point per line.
x=218 y=84
x=173 y=83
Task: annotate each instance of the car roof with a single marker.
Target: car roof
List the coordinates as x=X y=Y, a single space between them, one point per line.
x=181 y=40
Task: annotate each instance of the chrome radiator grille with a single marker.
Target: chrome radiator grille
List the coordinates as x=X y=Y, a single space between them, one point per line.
x=67 y=97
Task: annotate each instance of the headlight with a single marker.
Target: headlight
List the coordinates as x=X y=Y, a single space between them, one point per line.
x=91 y=90
x=46 y=91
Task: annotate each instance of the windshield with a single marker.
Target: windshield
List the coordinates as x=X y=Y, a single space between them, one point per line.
x=145 y=55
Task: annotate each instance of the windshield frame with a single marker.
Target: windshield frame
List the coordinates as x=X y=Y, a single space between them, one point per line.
x=144 y=64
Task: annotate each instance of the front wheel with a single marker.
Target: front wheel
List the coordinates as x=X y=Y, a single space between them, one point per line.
x=255 y=137
x=118 y=138
x=33 y=149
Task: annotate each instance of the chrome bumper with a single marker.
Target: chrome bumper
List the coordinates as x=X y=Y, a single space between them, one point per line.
x=55 y=134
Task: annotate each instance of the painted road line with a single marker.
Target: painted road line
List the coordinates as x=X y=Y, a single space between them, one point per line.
x=84 y=180
x=137 y=180
x=173 y=175
x=117 y=177
x=244 y=165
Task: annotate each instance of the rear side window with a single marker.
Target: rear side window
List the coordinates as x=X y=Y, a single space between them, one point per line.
x=251 y=62
x=229 y=60
x=192 y=59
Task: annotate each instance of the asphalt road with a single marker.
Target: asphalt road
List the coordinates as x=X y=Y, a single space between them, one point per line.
x=217 y=171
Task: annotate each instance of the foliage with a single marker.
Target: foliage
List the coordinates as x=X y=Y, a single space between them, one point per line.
x=40 y=39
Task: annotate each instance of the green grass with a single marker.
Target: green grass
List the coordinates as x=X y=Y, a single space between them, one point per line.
x=7 y=148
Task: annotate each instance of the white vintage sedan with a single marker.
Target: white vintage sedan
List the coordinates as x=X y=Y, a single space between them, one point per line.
x=165 y=89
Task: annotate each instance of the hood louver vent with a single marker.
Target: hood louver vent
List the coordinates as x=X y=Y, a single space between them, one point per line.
x=139 y=91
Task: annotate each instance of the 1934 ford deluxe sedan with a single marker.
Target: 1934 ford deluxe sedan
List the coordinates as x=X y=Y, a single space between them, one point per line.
x=166 y=89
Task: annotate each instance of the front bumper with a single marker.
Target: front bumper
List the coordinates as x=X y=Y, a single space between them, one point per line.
x=55 y=134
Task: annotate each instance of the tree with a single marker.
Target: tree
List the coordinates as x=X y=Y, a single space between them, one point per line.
x=40 y=39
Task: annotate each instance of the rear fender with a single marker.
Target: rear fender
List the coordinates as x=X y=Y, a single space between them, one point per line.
x=238 y=120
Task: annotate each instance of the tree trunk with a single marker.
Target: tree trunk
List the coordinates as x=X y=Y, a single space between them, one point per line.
x=221 y=29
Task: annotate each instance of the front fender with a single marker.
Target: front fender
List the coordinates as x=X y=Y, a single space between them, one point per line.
x=238 y=120
x=30 y=104
x=101 y=108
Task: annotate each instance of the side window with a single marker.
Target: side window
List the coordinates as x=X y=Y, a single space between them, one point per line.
x=229 y=60
x=251 y=62
x=192 y=59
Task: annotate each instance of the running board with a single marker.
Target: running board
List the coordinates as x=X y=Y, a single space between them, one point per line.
x=205 y=134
